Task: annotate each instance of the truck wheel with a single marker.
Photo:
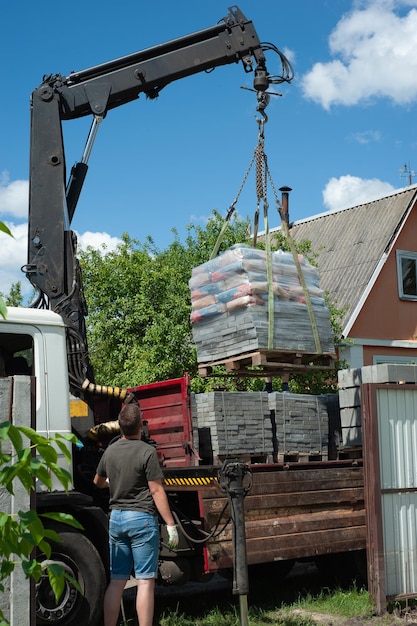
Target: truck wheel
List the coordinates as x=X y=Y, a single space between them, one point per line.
x=80 y=559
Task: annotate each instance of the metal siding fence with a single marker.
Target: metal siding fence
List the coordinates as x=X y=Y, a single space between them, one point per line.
x=397 y=418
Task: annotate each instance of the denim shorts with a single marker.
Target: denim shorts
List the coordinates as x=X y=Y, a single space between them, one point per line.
x=134 y=545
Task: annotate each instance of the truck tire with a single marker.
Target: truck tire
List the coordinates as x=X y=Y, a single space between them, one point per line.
x=80 y=559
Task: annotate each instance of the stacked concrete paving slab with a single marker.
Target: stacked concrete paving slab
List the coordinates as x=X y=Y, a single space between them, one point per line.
x=305 y=422
x=350 y=382
x=240 y=424
x=243 y=302
x=233 y=424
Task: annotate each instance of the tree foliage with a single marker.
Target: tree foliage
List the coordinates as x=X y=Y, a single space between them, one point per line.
x=25 y=532
x=14 y=297
x=139 y=306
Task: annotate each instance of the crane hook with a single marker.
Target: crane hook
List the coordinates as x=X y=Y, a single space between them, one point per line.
x=263 y=101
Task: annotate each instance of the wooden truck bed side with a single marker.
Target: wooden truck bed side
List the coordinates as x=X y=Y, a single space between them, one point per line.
x=293 y=512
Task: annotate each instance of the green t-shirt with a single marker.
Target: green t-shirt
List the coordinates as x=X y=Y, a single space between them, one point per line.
x=129 y=464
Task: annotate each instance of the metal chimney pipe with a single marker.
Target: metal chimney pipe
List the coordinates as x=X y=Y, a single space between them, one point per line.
x=283 y=211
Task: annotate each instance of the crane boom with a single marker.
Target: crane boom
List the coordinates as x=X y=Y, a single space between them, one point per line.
x=52 y=265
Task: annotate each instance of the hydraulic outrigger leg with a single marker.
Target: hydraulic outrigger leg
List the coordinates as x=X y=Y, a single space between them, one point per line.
x=232 y=475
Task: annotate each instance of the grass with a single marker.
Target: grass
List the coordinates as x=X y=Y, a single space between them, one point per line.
x=343 y=603
x=346 y=603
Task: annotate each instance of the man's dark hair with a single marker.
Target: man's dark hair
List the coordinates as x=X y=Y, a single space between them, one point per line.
x=130 y=420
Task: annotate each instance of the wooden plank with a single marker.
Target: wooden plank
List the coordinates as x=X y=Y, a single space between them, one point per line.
x=324 y=479
x=299 y=480
x=292 y=500
x=294 y=546
x=298 y=525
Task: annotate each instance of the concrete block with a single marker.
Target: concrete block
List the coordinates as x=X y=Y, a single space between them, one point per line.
x=349 y=397
x=350 y=417
x=351 y=436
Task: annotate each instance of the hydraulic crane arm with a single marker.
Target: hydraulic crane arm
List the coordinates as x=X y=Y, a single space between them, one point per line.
x=52 y=266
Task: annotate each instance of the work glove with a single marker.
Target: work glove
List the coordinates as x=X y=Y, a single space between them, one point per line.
x=173 y=538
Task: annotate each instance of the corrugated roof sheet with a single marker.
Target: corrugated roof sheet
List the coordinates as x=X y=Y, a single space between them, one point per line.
x=351 y=242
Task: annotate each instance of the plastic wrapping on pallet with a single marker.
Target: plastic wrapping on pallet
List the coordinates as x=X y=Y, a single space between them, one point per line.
x=229 y=297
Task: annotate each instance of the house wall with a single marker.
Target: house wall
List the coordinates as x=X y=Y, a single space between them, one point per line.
x=384 y=316
x=387 y=351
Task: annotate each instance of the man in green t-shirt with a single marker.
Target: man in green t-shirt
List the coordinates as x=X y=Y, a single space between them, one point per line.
x=131 y=470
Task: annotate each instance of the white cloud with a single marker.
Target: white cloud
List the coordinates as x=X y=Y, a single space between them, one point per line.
x=13 y=254
x=348 y=191
x=12 y=257
x=102 y=241
x=374 y=52
x=367 y=136
x=14 y=197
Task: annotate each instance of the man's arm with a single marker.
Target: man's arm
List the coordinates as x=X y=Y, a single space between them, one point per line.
x=161 y=501
x=100 y=481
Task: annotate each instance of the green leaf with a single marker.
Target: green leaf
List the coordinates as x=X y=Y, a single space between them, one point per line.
x=3 y=313
x=68 y=436
x=47 y=452
x=15 y=437
x=64 y=449
x=26 y=478
x=5 y=229
x=33 y=436
x=6 y=569
x=4 y=430
x=63 y=475
x=31 y=521
x=45 y=548
x=51 y=535
x=64 y=518
x=24 y=455
x=56 y=579
x=43 y=475
x=32 y=568
x=6 y=478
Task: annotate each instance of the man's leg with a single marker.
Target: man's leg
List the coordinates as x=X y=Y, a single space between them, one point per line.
x=145 y=601
x=112 y=600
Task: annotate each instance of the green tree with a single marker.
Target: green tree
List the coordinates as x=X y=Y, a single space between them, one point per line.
x=138 y=300
x=139 y=306
x=14 y=297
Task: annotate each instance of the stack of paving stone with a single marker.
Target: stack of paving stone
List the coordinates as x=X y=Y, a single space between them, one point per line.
x=232 y=424
x=230 y=305
x=239 y=424
x=350 y=381
x=305 y=423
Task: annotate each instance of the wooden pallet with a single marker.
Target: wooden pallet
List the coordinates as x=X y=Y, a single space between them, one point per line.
x=270 y=363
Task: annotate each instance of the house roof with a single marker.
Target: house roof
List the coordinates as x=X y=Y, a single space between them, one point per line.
x=350 y=244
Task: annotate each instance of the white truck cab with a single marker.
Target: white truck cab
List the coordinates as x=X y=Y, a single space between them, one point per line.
x=38 y=337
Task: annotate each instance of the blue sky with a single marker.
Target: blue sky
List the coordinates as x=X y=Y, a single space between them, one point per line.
x=339 y=135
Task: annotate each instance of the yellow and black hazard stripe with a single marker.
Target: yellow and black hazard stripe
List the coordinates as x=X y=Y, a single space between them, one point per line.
x=190 y=478
x=195 y=481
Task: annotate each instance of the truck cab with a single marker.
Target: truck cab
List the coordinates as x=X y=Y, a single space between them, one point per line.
x=37 y=338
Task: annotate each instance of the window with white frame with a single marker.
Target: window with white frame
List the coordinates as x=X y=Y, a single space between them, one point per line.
x=398 y=360
x=407 y=274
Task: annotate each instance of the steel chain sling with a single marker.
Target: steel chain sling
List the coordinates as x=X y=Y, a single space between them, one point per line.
x=262 y=174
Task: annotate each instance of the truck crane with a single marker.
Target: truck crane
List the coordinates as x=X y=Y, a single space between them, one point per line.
x=53 y=331
x=52 y=265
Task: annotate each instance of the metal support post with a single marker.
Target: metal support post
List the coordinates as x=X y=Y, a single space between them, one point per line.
x=232 y=481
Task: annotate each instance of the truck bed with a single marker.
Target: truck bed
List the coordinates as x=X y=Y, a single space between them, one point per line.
x=292 y=511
